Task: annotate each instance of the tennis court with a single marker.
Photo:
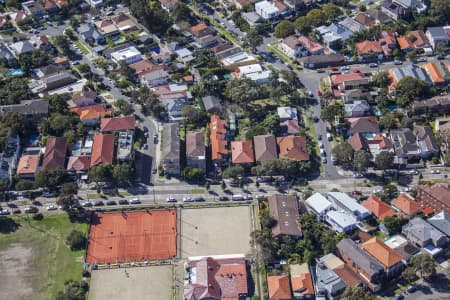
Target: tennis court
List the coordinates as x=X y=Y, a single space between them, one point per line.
x=132 y=236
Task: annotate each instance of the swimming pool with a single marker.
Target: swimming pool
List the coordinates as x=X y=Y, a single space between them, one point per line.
x=15 y=72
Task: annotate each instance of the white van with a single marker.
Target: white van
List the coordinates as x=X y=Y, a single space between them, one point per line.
x=237 y=197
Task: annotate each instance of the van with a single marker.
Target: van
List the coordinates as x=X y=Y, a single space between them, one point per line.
x=237 y=197
x=329 y=137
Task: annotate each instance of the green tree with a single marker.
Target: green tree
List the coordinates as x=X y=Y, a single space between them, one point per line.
x=233 y=172
x=76 y=240
x=330 y=112
x=384 y=160
x=122 y=174
x=362 y=8
x=409 y=88
x=390 y=192
x=409 y=274
x=284 y=28
x=361 y=160
x=124 y=107
x=331 y=11
x=14 y=90
x=254 y=39
x=381 y=79
x=302 y=25
x=316 y=17
x=388 y=121
x=193 y=174
x=84 y=68
x=424 y=264
x=127 y=72
x=62 y=43
x=440 y=9
x=343 y=153
x=15 y=121
x=24 y=184
x=357 y=293
x=51 y=179
x=101 y=173
x=394 y=224
x=180 y=12
x=58 y=103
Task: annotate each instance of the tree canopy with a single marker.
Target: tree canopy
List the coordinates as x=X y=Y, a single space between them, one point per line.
x=343 y=152
x=384 y=160
x=357 y=293
x=13 y=90
x=284 y=28
x=408 y=89
x=361 y=160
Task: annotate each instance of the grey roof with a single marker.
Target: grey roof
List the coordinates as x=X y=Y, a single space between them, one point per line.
x=88 y=31
x=352 y=25
x=441 y=221
x=252 y=17
x=378 y=15
x=328 y=280
x=195 y=144
x=27 y=107
x=211 y=102
x=425 y=138
x=59 y=76
x=5 y=53
x=334 y=32
x=404 y=141
x=360 y=105
x=365 y=261
x=156 y=74
x=171 y=142
x=107 y=53
x=175 y=107
x=422 y=231
x=22 y=47
x=348 y=203
x=438 y=33
x=412 y=71
x=265 y=147
x=318 y=203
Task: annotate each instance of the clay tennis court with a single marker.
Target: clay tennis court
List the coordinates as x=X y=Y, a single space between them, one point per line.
x=132 y=236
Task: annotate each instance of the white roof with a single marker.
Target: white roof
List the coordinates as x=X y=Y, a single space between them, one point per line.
x=341 y=218
x=318 y=203
x=259 y=75
x=126 y=53
x=250 y=69
x=267 y=6
x=238 y=57
x=183 y=52
x=349 y=202
x=287 y=112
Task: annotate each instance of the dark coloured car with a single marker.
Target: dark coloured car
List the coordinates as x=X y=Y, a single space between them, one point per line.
x=123 y=201
x=223 y=198
x=199 y=199
x=111 y=202
x=99 y=203
x=411 y=289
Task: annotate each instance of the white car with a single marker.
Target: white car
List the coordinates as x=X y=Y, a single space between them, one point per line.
x=171 y=199
x=413 y=172
x=27 y=209
x=4 y=212
x=435 y=172
x=358 y=175
x=188 y=199
x=320 y=145
x=376 y=191
x=52 y=207
x=86 y=204
x=135 y=201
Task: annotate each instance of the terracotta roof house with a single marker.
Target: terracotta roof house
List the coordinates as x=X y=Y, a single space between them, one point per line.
x=389 y=259
x=312 y=47
x=91 y=114
x=117 y=124
x=362 y=125
x=379 y=143
x=265 y=147
x=102 y=149
x=290 y=46
x=293 y=147
x=218 y=133
x=279 y=288
x=284 y=209
x=406 y=205
x=289 y=127
x=366 y=48
x=436 y=197
x=84 y=97
x=350 y=278
x=358 y=142
x=301 y=280
x=28 y=166
x=338 y=79
x=79 y=164
x=388 y=42
x=55 y=153
x=201 y=30
x=242 y=152
x=365 y=20
x=195 y=150
x=358 y=260
x=216 y=278
x=414 y=40
x=378 y=207
x=436 y=73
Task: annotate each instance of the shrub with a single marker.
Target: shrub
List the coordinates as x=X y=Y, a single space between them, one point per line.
x=76 y=240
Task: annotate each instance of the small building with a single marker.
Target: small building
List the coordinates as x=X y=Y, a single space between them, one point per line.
x=334 y=34
x=22 y=47
x=284 y=210
x=171 y=149
x=55 y=153
x=322 y=61
x=91 y=114
x=218 y=132
x=301 y=281
x=363 y=125
x=34 y=110
x=125 y=146
x=236 y=60
x=441 y=221
x=327 y=284
x=212 y=103
x=102 y=149
x=279 y=287
x=195 y=150
x=28 y=166
x=400 y=244
x=287 y=113
x=242 y=152
x=424 y=235
x=405 y=205
x=79 y=165
x=341 y=221
x=117 y=124
x=391 y=261
x=380 y=209
x=265 y=147
x=426 y=141
x=349 y=204
x=293 y=147
x=89 y=33
x=319 y=205
x=438 y=37
x=267 y=10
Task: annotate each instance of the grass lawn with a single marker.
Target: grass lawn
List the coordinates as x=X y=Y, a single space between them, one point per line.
x=82 y=47
x=51 y=262
x=280 y=54
x=198 y=191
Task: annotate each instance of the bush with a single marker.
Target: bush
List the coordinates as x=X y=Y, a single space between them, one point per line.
x=76 y=240
x=33 y=210
x=38 y=216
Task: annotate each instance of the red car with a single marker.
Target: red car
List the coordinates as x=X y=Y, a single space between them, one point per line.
x=355 y=192
x=319 y=93
x=16 y=211
x=356 y=71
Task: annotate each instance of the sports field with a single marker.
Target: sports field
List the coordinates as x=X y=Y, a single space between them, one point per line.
x=129 y=236
x=214 y=231
x=153 y=283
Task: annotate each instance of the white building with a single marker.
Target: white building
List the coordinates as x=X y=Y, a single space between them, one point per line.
x=287 y=113
x=341 y=221
x=319 y=205
x=129 y=55
x=267 y=10
x=236 y=60
x=95 y=3
x=348 y=204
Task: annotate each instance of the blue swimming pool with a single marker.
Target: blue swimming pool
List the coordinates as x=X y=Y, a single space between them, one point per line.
x=15 y=72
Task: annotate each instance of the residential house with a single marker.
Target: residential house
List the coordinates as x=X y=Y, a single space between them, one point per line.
x=436 y=197
x=358 y=142
x=405 y=205
x=171 y=149
x=394 y=10
x=95 y=3
x=219 y=277
x=371 y=50
x=128 y=55
x=125 y=146
x=124 y=22
x=6 y=56
x=252 y=18
x=327 y=284
x=350 y=278
x=379 y=143
x=33 y=8
x=363 y=264
x=42 y=42
x=90 y=115
x=334 y=35
x=358 y=108
x=48 y=70
x=342 y=82
x=9 y=156
x=28 y=166
x=352 y=25
x=402 y=246
x=218 y=132
x=390 y=260
x=175 y=108
x=58 y=80
x=362 y=125
x=265 y=147
x=437 y=73
x=212 y=103
x=89 y=33
x=409 y=70
x=290 y=46
x=438 y=37
x=319 y=205
x=155 y=78
x=267 y=9
x=310 y=47
x=293 y=147
x=224 y=50
x=388 y=42
x=201 y=30
x=424 y=235
x=102 y=149
x=79 y=165
x=34 y=110
x=413 y=5
x=117 y=124
x=348 y=204
x=301 y=281
x=279 y=287
x=341 y=221
x=322 y=61
x=441 y=221
x=85 y=97
x=195 y=150
x=168 y=5
x=434 y=105
x=253 y=72
x=442 y=124
x=426 y=141
x=143 y=67
x=21 y=47
x=107 y=27
x=236 y=60
x=17 y=15
x=287 y=113
x=55 y=153
x=284 y=210
x=405 y=143
x=414 y=40
x=375 y=17
x=379 y=208
x=242 y=152
x=289 y=127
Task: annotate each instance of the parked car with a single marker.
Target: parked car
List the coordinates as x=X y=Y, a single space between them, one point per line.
x=435 y=172
x=16 y=211
x=48 y=194
x=171 y=199
x=398 y=62
x=187 y=199
x=98 y=203
x=86 y=204
x=223 y=198
x=52 y=207
x=4 y=211
x=135 y=201
x=373 y=65
x=123 y=201
x=324 y=160
x=111 y=202
x=413 y=172
x=199 y=199
x=411 y=289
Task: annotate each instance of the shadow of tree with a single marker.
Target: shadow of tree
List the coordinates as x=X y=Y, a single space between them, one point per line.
x=8 y=225
x=79 y=216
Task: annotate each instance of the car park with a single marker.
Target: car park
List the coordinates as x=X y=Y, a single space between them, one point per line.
x=135 y=201
x=52 y=207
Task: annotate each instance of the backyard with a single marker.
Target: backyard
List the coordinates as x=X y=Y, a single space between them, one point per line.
x=34 y=259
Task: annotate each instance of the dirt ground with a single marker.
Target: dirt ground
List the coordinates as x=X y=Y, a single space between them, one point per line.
x=16 y=275
x=154 y=282
x=215 y=231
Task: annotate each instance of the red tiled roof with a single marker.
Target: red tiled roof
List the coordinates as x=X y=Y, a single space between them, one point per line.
x=421 y=39
x=348 y=276
x=340 y=78
x=385 y=255
x=102 y=149
x=55 y=153
x=367 y=47
x=358 y=142
x=96 y=111
x=293 y=147
x=405 y=43
x=382 y=141
x=309 y=44
x=117 y=124
x=434 y=73
x=78 y=163
x=279 y=288
x=379 y=208
x=28 y=164
x=242 y=152
x=406 y=204
x=303 y=283
x=217 y=138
